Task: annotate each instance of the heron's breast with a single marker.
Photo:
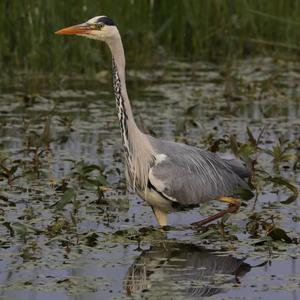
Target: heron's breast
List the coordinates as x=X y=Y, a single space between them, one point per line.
x=156 y=200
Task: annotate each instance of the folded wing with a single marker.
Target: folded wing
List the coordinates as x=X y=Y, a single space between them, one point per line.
x=189 y=176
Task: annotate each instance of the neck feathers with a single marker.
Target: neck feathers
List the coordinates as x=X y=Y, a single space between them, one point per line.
x=125 y=124
x=139 y=153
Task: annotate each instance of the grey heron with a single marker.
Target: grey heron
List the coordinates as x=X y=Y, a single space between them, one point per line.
x=169 y=176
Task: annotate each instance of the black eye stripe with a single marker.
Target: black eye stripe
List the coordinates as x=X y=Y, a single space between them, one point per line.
x=106 y=21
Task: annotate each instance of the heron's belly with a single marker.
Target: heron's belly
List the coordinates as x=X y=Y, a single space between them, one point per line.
x=156 y=200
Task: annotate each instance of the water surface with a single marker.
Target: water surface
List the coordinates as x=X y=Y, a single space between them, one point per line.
x=111 y=248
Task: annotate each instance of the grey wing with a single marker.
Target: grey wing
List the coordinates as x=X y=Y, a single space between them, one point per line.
x=195 y=176
x=237 y=166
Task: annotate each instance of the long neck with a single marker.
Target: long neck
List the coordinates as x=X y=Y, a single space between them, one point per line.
x=119 y=84
x=138 y=150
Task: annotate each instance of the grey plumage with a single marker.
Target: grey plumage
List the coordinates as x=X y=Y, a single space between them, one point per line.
x=163 y=173
x=192 y=176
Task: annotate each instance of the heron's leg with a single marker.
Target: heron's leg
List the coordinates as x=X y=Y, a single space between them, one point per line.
x=233 y=201
x=161 y=216
x=234 y=205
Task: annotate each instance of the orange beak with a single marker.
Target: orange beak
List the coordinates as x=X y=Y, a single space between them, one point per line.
x=83 y=28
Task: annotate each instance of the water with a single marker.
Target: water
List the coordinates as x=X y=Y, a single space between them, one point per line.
x=111 y=248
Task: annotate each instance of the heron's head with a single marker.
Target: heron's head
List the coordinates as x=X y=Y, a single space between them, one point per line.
x=98 y=28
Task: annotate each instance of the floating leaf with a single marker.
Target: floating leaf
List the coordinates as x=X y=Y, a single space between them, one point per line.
x=206 y=234
x=91 y=239
x=278 y=234
x=262 y=241
x=57 y=239
x=91 y=168
x=20 y=229
x=9 y=227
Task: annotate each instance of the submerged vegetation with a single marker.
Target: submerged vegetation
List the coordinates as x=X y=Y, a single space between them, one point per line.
x=152 y=31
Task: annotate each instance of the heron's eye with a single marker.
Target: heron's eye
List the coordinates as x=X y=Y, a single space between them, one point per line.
x=98 y=26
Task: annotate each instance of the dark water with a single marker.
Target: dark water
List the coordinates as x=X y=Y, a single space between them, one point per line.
x=112 y=249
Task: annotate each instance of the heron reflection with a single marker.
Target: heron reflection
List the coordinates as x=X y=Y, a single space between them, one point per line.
x=182 y=270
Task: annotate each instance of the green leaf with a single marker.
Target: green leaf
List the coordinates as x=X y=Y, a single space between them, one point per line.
x=291 y=187
x=57 y=239
x=21 y=229
x=234 y=145
x=278 y=234
x=13 y=169
x=251 y=138
x=245 y=151
x=244 y=194
x=4 y=175
x=206 y=234
x=68 y=196
x=71 y=160
x=262 y=241
x=91 y=239
x=267 y=151
x=290 y=199
x=9 y=227
x=46 y=135
x=91 y=168
x=191 y=109
x=4 y=168
x=102 y=180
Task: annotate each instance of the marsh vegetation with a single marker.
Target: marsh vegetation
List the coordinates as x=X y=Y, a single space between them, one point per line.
x=219 y=76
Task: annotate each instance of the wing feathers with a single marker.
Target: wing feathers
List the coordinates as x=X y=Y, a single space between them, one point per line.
x=190 y=176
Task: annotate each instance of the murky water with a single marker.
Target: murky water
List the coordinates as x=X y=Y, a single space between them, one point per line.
x=95 y=248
